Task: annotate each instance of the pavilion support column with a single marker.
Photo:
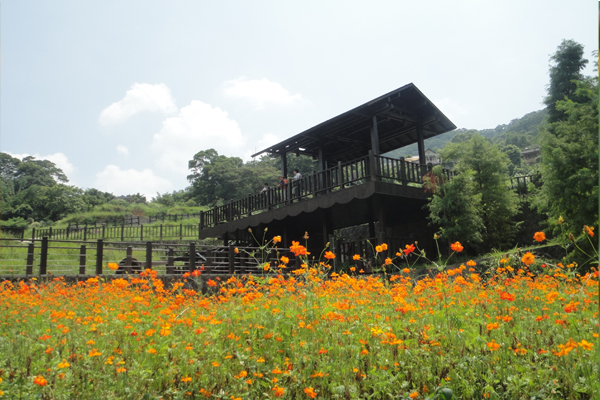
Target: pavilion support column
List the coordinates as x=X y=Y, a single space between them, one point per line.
x=284 y=167
x=375 y=137
x=327 y=227
x=321 y=160
x=421 y=148
x=379 y=211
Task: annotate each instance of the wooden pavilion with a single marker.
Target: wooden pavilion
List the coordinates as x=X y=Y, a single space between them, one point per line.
x=355 y=184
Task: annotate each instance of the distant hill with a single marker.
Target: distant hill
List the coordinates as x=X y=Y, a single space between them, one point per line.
x=521 y=132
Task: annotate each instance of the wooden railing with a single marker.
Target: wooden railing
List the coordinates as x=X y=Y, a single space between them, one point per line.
x=316 y=184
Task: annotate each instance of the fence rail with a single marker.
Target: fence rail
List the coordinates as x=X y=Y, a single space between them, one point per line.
x=60 y=257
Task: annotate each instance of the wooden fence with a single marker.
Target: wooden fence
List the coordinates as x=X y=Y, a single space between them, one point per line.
x=60 y=257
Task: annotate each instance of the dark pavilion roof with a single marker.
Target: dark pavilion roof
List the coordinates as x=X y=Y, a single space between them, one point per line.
x=348 y=136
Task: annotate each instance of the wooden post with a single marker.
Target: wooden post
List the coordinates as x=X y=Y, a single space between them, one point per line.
x=180 y=231
x=250 y=203
x=44 y=256
x=373 y=166
x=340 y=175
x=82 y=250
x=231 y=259
x=161 y=232
x=29 y=267
x=242 y=265
x=85 y=233
x=50 y=234
x=68 y=228
x=215 y=219
x=128 y=259
x=33 y=234
x=141 y=232
x=99 y=251
x=102 y=231
x=122 y=232
x=170 y=261
x=403 y=172
x=149 y=255
x=209 y=258
x=374 y=137
x=202 y=220
x=192 y=259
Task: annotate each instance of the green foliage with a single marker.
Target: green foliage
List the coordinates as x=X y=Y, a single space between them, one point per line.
x=568 y=63
x=483 y=173
x=216 y=177
x=454 y=208
x=570 y=160
x=514 y=155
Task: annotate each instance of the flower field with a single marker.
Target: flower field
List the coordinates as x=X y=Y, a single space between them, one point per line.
x=522 y=330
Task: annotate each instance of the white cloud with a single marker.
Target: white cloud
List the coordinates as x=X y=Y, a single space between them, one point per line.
x=198 y=126
x=267 y=140
x=122 y=150
x=121 y=182
x=141 y=97
x=60 y=159
x=261 y=92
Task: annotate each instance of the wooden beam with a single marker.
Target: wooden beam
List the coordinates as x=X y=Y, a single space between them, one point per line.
x=375 y=137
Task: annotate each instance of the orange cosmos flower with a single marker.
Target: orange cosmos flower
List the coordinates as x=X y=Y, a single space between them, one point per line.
x=186 y=379
x=471 y=263
x=64 y=364
x=121 y=370
x=210 y=282
x=329 y=255
x=585 y=345
x=388 y=261
x=237 y=251
x=379 y=249
x=590 y=231
x=406 y=270
x=267 y=266
x=113 y=266
x=457 y=247
x=539 y=236
x=409 y=248
x=356 y=257
x=310 y=392
x=322 y=351
x=414 y=395
x=298 y=249
x=278 y=391
x=94 y=353
x=507 y=296
x=39 y=380
x=277 y=239
x=528 y=258
x=151 y=351
x=493 y=346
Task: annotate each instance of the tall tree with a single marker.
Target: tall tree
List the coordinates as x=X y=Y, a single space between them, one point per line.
x=570 y=160
x=568 y=62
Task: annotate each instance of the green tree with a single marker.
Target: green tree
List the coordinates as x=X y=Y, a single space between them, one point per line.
x=570 y=160
x=487 y=167
x=514 y=155
x=454 y=208
x=568 y=62
x=31 y=172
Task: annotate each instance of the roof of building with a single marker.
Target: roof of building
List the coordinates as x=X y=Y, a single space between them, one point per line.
x=347 y=136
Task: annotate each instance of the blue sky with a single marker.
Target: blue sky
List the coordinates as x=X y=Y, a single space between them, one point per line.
x=122 y=94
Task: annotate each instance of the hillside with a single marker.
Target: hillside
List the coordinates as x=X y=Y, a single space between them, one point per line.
x=521 y=132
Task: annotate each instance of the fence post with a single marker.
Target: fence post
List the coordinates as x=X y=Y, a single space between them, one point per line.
x=33 y=234
x=128 y=259
x=99 y=256
x=250 y=203
x=192 y=259
x=403 y=172
x=44 y=256
x=85 y=233
x=141 y=232
x=82 y=250
x=170 y=261
x=215 y=216
x=201 y=220
x=50 y=232
x=122 y=232
x=161 y=232
x=209 y=258
x=29 y=267
x=68 y=228
x=231 y=259
x=149 y=255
